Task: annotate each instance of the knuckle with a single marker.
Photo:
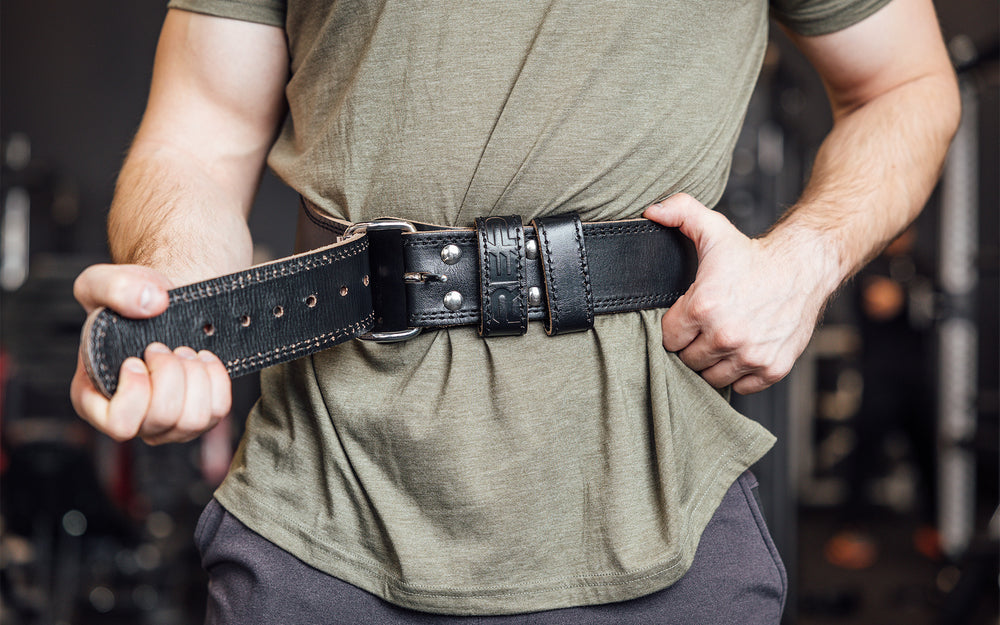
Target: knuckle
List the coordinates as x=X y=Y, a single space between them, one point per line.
x=703 y=308
x=748 y=386
x=191 y=428
x=80 y=286
x=158 y=423
x=120 y=432
x=753 y=358
x=85 y=277
x=162 y=415
x=716 y=379
x=155 y=440
x=119 y=284
x=729 y=339
x=781 y=367
x=225 y=404
x=772 y=374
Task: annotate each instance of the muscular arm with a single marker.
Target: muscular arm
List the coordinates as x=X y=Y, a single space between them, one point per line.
x=179 y=213
x=186 y=188
x=754 y=303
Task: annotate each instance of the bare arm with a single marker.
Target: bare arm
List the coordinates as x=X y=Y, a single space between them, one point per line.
x=754 y=303
x=186 y=189
x=179 y=213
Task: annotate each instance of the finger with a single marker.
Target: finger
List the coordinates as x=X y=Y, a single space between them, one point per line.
x=88 y=402
x=130 y=402
x=679 y=327
x=749 y=384
x=222 y=384
x=130 y=290
x=195 y=414
x=694 y=219
x=120 y=416
x=718 y=342
x=167 y=400
x=701 y=354
x=724 y=373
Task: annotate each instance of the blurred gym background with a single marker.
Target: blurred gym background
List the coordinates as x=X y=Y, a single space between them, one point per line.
x=882 y=493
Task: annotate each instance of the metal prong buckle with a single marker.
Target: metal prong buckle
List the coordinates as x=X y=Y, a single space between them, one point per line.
x=420 y=277
x=384 y=224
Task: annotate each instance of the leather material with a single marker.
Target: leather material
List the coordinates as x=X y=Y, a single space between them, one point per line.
x=635 y=264
x=388 y=289
x=250 y=319
x=503 y=298
x=568 y=294
x=299 y=305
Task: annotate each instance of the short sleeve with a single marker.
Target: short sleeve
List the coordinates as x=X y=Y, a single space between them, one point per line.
x=270 y=12
x=820 y=17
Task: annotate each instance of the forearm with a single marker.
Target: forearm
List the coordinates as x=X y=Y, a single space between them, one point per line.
x=872 y=176
x=185 y=190
x=180 y=208
x=170 y=212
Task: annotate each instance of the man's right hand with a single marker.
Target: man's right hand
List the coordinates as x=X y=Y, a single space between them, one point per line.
x=168 y=396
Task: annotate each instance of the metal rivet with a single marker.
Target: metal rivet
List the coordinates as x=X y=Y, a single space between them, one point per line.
x=453 y=300
x=365 y=280
x=343 y=291
x=311 y=301
x=245 y=321
x=208 y=329
x=450 y=254
x=534 y=296
x=278 y=311
x=531 y=249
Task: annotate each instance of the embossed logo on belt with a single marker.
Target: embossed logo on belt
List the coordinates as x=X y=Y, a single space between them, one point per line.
x=502 y=272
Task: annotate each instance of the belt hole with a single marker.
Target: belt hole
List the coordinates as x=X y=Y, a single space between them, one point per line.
x=245 y=321
x=208 y=329
x=311 y=301
x=278 y=311
x=343 y=291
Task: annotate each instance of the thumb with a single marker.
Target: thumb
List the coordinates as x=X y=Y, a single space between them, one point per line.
x=696 y=221
x=131 y=290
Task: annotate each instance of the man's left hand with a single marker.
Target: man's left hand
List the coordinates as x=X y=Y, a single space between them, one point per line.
x=753 y=305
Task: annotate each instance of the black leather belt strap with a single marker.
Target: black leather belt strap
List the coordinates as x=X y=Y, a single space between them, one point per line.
x=251 y=319
x=388 y=279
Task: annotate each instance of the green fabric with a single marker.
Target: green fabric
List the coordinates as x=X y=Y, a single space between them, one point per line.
x=460 y=475
x=270 y=12
x=821 y=17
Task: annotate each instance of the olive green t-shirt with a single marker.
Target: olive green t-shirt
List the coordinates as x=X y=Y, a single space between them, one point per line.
x=468 y=476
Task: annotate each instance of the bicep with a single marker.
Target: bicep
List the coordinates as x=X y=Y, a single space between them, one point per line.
x=217 y=93
x=898 y=44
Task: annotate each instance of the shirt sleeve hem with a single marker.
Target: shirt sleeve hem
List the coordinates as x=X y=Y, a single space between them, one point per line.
x=826 y=20
x=271 y=14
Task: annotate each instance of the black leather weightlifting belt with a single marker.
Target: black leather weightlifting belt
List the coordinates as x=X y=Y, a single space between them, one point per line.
x=387 y=280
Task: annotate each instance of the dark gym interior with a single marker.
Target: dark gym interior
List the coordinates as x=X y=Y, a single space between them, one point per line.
x=882 y=492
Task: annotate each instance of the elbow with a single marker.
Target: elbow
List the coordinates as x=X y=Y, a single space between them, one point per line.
x=951 y=107
x=944 y=106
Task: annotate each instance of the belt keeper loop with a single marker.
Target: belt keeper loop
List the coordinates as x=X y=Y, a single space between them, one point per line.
x=568 y=292
x=503 y=278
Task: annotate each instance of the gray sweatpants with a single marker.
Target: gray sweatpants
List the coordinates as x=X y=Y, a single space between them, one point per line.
x=737 y=577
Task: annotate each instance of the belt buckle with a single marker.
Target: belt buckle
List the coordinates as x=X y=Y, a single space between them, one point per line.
x=384 y=224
